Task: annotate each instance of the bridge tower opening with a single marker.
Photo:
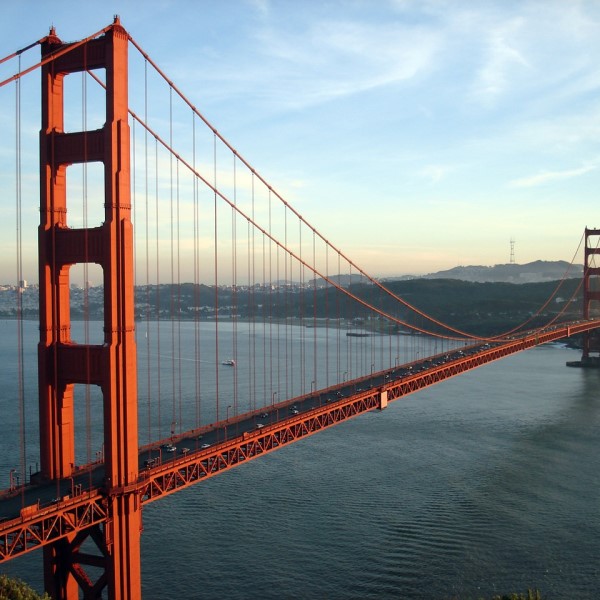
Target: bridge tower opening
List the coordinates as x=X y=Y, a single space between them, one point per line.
x=590 y=356
x=62 y=363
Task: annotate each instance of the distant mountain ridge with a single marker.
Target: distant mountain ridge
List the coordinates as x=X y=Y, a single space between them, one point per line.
x=533 y=272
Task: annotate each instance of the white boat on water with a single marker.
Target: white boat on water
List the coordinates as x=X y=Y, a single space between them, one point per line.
x=229 y=362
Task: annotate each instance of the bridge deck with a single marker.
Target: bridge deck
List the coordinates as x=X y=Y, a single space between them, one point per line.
x=37 y=515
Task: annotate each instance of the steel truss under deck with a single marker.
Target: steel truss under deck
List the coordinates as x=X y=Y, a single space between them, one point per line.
x=39 y=526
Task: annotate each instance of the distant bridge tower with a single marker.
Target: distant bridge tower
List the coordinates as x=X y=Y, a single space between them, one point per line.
x=591 y=296
x=63 y=363
x=512 y=251
x=590 y=356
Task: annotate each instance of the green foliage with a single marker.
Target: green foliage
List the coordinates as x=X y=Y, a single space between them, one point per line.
x=530 y=595
x=13 y=589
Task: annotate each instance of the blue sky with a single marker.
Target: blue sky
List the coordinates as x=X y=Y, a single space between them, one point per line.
x=415 y=135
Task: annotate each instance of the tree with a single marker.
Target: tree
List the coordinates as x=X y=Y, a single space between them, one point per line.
x=14 y=589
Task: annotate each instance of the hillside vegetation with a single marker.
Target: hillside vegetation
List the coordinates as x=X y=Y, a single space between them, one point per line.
x=14 y=589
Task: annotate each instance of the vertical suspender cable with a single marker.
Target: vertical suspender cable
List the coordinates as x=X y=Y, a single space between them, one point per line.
x=272 y=391
x=253 y=299
x=172 y=267
x=178 y=220
x=264 y=309
x=157 y=283
x=135 y=221
x=281 y=314
x=235 y=286
x=339 y=326
x=349 y=348
x=302 y=388
x=147 y=254
x=326 y=315
x=286 y=312
x=216 y=275
x=251 y=357
x=314 y=261
x=18 y=287
x=264 y=319
x=134 y=202
x=197 y=396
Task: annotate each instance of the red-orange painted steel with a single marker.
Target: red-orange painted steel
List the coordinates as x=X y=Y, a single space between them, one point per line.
x=192 y=468
x=62 y=363
x=42 y=526
x=591 y=289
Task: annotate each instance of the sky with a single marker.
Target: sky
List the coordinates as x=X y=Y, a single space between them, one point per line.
x=415 y=135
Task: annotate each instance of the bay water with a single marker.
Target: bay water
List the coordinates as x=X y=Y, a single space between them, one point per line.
x=485 y=484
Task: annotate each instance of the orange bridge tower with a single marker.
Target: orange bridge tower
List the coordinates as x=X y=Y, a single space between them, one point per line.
x=111 y=365
x=590 y=356
x=591 y=296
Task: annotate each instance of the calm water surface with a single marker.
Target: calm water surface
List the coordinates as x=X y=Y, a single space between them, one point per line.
x=487 y=483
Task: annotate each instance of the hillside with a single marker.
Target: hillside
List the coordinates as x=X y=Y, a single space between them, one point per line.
x=480 y=308
x=533 y=272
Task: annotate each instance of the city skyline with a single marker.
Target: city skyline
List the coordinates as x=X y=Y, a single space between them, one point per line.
x=415 y=136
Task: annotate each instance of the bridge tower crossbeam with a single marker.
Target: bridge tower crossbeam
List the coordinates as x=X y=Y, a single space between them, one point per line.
x=62 y=363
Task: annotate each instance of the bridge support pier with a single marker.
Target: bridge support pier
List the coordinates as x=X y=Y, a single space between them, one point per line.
x=590 y=355
x=112 y=365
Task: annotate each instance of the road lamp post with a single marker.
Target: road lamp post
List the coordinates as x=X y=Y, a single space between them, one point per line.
x=11 y=479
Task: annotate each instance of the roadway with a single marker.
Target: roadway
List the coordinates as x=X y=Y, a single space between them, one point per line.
x=165 y=453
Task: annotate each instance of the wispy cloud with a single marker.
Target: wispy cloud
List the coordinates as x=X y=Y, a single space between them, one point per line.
x=551 y=176
x=503 y=60
x=261 y=6
x=334 y=59
x=435 y=173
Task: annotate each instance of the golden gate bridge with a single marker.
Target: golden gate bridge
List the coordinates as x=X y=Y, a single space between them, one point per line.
x=225 y=327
